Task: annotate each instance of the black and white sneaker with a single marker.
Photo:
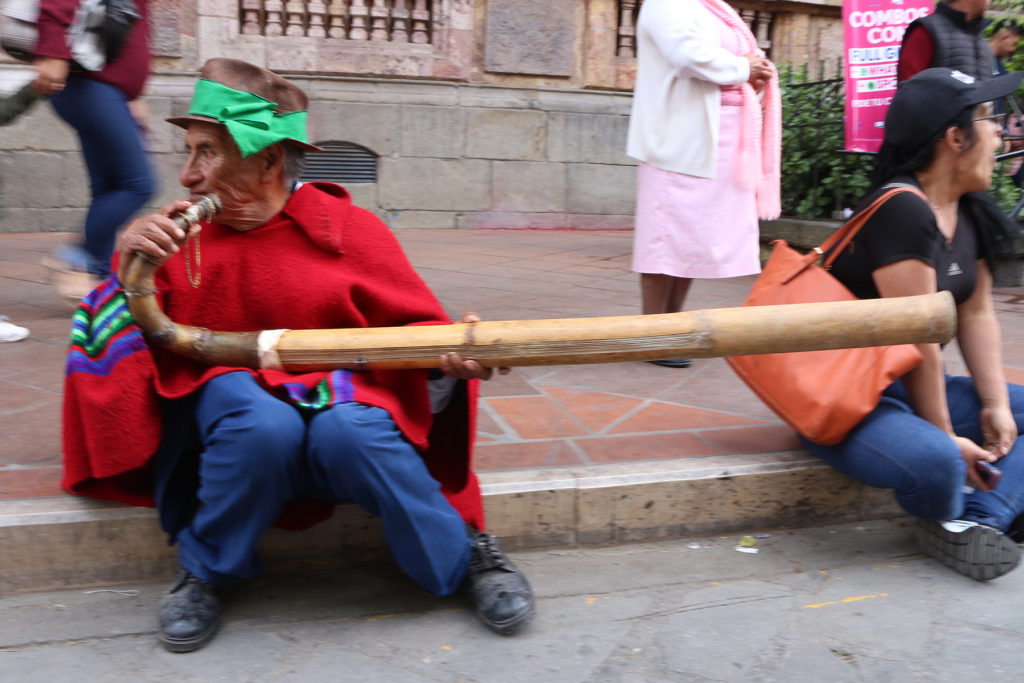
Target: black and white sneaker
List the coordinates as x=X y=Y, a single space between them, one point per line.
x=969 y=548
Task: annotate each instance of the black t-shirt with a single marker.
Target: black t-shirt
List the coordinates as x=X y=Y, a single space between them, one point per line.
x=904 y=227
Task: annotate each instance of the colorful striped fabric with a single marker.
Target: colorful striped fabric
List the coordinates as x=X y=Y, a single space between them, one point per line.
x=335 y=388
x=103 y=332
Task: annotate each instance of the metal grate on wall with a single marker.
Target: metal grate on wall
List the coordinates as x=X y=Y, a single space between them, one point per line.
x=341 y=162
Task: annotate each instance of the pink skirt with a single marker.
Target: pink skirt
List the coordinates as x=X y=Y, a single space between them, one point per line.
x=697 y=227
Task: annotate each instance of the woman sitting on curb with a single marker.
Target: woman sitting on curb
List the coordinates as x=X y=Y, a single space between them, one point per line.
x=931 y=432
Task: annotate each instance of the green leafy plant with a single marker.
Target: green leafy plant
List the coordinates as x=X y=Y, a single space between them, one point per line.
x=819 y=179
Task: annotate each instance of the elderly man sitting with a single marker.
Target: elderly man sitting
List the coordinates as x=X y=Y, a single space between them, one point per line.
x=226 y=452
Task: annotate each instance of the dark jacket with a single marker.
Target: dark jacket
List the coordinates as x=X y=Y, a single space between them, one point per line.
x=959 y=44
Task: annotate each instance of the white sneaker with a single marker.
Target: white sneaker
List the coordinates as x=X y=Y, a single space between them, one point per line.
x=9 y=332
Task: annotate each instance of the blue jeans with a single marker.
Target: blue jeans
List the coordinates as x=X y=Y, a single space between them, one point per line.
x=894 y=448
x=260 y=452
x=120 y=176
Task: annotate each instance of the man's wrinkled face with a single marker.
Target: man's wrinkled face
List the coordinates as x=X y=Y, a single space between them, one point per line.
x=215 y=165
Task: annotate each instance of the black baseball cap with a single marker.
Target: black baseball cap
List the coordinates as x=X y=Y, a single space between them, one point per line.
x=925 y=104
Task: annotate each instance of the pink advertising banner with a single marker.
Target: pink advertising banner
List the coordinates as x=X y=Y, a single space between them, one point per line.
x=873 y=31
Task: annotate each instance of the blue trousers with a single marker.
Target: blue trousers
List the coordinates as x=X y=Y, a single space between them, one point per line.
x=120 y=177
x=259 y=452
x=894 y=448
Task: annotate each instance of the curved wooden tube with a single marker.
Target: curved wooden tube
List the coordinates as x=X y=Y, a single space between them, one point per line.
x=234 y=349
x=691 y=334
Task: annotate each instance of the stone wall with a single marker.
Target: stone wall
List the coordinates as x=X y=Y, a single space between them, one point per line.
x=513 y=115
x=450 y=155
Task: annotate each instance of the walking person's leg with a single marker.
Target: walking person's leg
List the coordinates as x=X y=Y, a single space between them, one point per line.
x=120 y=176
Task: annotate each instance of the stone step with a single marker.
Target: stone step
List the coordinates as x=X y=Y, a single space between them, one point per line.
x=72 y=542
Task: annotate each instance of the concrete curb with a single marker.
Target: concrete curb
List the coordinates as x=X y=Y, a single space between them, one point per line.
x=71 y=542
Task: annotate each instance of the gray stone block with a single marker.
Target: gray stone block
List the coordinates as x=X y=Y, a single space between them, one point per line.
x=38 y=129
x=165 y=20
x=163 y=136
x=37 y=180
x=434 y=184
x=492 y=96
x=601 y=221
x=433 y=131
x=530 y=37
x=512 y=220
x=506 y=134
x=364 y=195
x=41 y=220
x=431 y=220
x=167 y=168
x=592 y=138
x=589 y=102
x=601 y=188
x=374 y=126
x=528 y=186
x=341 y=89
x=413 y=93
x=799 y=233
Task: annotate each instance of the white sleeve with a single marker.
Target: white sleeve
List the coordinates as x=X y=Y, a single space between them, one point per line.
x=692 y=52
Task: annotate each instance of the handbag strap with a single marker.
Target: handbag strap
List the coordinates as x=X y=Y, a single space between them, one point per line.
x=845 y=234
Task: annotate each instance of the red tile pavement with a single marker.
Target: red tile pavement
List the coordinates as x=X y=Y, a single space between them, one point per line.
x=535 y=417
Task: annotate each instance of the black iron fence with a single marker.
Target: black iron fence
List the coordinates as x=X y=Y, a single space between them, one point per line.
x=819 y=179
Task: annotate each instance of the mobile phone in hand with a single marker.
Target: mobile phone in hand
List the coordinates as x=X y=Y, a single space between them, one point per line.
x=988 y=473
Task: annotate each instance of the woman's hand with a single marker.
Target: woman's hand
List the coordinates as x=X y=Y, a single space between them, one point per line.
x=51 y=75
x=760 y=70
x=972 y=453
x=454 y=365
x=999 y=429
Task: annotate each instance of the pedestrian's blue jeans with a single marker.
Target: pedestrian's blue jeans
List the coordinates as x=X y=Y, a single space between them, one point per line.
x=894 y=448
x=120 y=176
x=260 y=452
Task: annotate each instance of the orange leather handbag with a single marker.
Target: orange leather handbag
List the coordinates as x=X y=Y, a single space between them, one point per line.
x=820 y=394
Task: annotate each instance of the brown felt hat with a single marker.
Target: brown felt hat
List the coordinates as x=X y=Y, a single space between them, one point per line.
x=249 y=78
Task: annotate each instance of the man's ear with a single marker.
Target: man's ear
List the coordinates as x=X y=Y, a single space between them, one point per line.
x=272 y=161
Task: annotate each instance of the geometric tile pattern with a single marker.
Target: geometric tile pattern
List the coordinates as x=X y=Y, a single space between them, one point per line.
x=547 y=416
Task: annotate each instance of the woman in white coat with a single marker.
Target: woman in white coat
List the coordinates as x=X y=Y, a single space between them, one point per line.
x=705 y=127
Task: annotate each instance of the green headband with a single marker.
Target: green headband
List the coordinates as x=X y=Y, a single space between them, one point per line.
x=249 y=118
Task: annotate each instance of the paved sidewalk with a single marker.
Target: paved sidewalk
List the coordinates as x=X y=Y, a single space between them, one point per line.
x=537 y=417
x=568 y=456
x=852 y=602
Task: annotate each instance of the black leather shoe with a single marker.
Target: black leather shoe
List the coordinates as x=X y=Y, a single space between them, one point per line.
x=189 y=614
x=503 y=597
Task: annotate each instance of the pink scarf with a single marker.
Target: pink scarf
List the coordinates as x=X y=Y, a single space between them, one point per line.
x=759 y=164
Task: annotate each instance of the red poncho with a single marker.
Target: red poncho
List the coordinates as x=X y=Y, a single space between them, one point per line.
x=320 y=263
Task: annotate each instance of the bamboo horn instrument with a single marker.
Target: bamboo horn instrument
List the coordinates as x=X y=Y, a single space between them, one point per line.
x=694 y=334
